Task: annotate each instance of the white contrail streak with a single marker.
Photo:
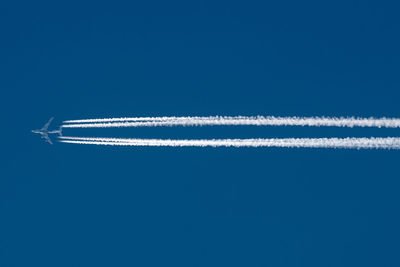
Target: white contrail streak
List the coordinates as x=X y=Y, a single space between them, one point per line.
x=240 y=120
x=355 y=143
x=133 y=119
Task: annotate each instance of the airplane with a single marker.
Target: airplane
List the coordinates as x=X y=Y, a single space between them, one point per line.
x=44 y=132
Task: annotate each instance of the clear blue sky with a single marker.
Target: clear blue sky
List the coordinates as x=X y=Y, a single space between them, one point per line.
x=71 y=205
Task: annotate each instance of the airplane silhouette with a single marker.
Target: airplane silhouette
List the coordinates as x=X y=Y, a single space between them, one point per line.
x=44 y=132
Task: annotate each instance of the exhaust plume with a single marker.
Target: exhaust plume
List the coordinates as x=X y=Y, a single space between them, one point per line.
x=231 y=121
x=354 y=143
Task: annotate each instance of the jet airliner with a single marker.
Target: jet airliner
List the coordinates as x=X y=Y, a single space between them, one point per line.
x=44 y=132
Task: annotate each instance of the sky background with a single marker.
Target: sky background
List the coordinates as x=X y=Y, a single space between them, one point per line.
x=75 y=205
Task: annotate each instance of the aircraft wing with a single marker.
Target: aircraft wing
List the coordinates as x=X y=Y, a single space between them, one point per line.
x=47 y=124
x=46 y=137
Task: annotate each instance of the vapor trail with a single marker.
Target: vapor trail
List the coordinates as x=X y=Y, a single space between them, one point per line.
x=354 y=143
x=165 y=118
x=239 y=120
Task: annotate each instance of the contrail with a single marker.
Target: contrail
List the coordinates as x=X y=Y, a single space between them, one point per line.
x=132 y=119
x=354 y=143
x=238 y=120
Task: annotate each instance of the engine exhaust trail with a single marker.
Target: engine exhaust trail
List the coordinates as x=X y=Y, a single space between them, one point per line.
x=164 y=118
x=349 y=143
x=234 y=121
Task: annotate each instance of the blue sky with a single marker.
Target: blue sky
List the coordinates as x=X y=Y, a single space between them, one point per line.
x=71 y=205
